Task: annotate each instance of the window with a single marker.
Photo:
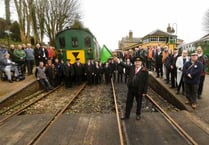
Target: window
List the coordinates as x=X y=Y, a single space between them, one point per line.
x=146 y=40
x=62 y=42
x=87 y=41
x=163 y=39
x=74 y=42
x=154 y=38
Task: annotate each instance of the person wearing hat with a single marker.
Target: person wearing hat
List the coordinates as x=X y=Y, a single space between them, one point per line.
x=68 y=72
x=192 y=70
x=89 y=71
x=137 y=88
x=79 y=71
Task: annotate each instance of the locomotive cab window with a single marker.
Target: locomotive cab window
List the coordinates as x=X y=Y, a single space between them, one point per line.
x=74 y=42
x=87 y=41
x=62 y=42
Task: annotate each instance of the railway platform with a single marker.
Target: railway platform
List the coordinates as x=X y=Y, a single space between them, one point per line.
x=9 y=89
x=202 y=104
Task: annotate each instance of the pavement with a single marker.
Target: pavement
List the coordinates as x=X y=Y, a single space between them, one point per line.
x=202 y=110
x=8 y=89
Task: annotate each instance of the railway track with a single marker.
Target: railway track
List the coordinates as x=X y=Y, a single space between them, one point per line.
x=9 y=109
x=172 y=121
x=25 y=109
x=22 y=106
x=38 y=137
x=122 y=136
x=18 y=107
x=158 y=105
x=55 y=117
x=113 y=95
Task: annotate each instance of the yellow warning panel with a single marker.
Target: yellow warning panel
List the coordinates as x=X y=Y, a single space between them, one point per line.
x=75 y=54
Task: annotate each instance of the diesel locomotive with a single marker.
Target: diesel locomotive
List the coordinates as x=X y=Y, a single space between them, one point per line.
x=77 y=43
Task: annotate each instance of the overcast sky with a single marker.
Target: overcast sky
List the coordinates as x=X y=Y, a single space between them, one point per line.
x=110 y=20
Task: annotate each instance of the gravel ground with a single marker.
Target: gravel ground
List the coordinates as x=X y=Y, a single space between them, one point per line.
x=51 y=103
x=93 y=99
x=121 y=90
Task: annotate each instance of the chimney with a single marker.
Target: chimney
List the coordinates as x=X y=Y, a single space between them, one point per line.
x=169 y=29
x=130 y=35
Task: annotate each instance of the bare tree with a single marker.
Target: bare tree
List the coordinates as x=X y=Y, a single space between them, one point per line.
x=35 y=27
x=45 y=17
x=206 y=22
x=23 y=8
x=7 y=11
x=57 y=15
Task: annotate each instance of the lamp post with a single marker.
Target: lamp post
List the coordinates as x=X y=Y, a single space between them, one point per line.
x=8 y=38
x=174 y=31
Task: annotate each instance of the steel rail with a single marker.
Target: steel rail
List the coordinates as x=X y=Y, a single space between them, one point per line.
x=173 y=123
x=56 y=116
x=21 y=102
x=117 y=115
x=26 y=106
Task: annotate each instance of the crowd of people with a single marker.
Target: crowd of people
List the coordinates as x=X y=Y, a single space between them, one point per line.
x=182 y=72
x=16 y=59
x=178 y=70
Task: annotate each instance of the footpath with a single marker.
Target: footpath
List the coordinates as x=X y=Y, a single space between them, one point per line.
x=202 y=110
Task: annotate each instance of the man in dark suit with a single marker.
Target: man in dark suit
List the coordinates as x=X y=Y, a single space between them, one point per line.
x=192 y=71
x=137 y=87
x=79 y=71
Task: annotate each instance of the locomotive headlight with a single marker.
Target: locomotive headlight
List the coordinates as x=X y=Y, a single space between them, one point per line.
x=89 y=50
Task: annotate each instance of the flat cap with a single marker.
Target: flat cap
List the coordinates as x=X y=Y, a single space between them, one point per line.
x=193 y=54
x=138 y=59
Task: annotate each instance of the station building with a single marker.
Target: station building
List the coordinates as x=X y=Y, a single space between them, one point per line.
x=154 y=38
x=191 y=46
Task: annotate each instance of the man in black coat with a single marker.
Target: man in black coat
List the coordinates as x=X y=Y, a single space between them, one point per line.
x=68 y=72
x=41 y=54
x=173 y=68
x=79 y=71
x=192 y=71
x=89 y=72
x=137 y=87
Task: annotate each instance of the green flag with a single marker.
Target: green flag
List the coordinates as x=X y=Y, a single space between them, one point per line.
x=105 y=54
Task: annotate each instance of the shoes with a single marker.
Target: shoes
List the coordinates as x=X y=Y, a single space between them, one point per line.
x=199 y=97
x=138 y=117
x=194 y=106
x=10 y=81
x=51 y=88
x=187 y=102
x=124 y=118
x=17 y=79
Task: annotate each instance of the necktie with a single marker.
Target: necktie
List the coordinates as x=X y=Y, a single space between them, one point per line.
x=184 y=60
x=136 y=70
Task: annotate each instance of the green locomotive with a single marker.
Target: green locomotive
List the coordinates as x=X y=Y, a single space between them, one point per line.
x=74 y=43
